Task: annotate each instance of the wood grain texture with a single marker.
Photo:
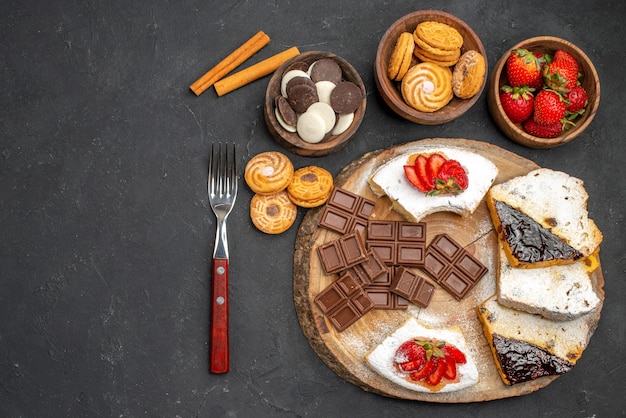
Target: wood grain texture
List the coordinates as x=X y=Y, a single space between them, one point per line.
x=344 y=352
x=589 y=80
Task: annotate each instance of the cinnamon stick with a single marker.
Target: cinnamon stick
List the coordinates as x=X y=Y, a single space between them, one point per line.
x=232 y=61
x=254 y=72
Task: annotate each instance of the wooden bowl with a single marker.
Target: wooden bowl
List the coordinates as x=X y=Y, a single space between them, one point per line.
x=589 y=80
x=390 y=89
x=290 y=140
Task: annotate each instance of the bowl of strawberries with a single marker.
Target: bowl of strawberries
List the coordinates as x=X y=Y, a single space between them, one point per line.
x=543 y=92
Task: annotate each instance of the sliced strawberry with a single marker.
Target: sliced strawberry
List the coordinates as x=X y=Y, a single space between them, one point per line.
x=414 y=179
x=410 y=356
x=450 y=371
x=435 y=377
x=421 y=171
x=433 y=164
x=425 y=371
x=455 y=353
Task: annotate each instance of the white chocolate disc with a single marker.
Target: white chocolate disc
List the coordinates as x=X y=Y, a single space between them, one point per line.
x=324 y=88
x=343 y=123
x=287 y=77
x=326 y=112
x=311 y=127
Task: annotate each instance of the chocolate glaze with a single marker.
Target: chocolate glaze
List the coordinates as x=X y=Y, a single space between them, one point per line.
x=521 y=361
x=528 y=240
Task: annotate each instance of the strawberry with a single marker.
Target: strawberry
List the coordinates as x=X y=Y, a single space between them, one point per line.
x=451 y=178
x=436 y=376
x=410 y=356
x=576 y=99
x=523 y=68
x=450 y=371
x=517 y=102
x=549 y=107
x=562 y=73
x=562 y=55
x=425 y=371
x=543 y=131
x=433 y=164
x=435 y=175
x=455 y=353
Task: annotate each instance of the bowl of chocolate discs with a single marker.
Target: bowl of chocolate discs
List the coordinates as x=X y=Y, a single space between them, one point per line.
x=314 y=103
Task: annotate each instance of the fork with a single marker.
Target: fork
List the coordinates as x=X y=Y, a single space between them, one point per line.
x=222 y=190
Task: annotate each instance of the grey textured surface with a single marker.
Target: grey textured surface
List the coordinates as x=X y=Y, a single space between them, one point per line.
x=106 y=233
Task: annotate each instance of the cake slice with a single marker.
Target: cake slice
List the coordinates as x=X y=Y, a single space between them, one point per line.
x=413 y=204
x=394 y=363
x=559 y=293
x=542 y=219
x=527 y=346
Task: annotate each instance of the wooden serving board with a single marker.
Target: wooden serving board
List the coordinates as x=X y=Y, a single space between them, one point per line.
x=344 y=352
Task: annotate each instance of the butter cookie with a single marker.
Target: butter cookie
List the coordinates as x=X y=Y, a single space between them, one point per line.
x=272 y=214
x=468 y=75
x=311 y=186
x=268 y=172
x=427 y=87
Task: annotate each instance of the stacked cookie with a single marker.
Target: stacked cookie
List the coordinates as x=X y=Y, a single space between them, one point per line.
x=279 y=189
x=432 y=67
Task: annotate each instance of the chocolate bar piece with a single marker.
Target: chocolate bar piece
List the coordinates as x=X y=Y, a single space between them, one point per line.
x=346 y=212
x=379 y=291
x=455 y=269
x=342 y=253
x=398 y=243
x=413 y=287
x=368 y=270
x=344 y=301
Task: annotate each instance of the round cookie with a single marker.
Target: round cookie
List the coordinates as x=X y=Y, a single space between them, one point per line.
x=268 y=172
x=468 y=75
x=427 y=87
x=311 y=186
x=439 y=35
x=400 y=58
x=435 y=53
x=419 y=53
x=273 y=213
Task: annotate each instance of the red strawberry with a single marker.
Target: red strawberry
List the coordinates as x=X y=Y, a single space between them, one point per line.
x=561 y=74
x=450 y=371
x=549 y=107
x=576 y=99
x=433 y=164
x=425 y=371
x=563 y=55
x=517 y=102
x=435 y=377
x=523 y=68
x=451 y=178
x=414 y=179
x=455 y=353
x=410 y=356
x=543 y=131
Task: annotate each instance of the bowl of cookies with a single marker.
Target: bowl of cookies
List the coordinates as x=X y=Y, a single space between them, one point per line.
x=314 y=103
x=430 y=67
x=543 y=92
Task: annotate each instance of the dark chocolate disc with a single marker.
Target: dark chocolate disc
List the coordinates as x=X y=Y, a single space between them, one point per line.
x=298 y=80
x=301 y=96
x=346 y=97
x=298 y=65
x=326 y=69
x=286 y=111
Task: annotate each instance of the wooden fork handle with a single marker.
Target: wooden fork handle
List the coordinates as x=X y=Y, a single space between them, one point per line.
x=219 y=351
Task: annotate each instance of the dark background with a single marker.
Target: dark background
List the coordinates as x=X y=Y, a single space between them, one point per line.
x=106 y=232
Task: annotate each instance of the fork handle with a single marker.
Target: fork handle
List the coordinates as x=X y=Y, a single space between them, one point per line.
x=219 y=357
